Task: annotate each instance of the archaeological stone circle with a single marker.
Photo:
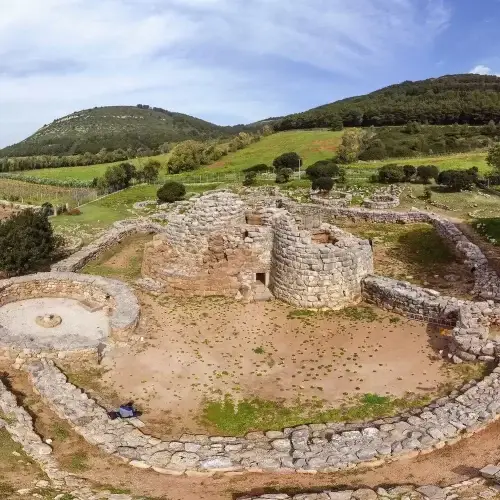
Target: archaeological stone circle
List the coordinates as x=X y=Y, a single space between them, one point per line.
x=253 y=248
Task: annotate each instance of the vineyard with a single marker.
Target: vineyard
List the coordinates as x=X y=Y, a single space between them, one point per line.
x=36 y=194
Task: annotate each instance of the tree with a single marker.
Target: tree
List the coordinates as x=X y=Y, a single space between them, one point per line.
x=250 y=178
x=130 y=171
x=375 y=150
x=27 y=241
x=283 y=175
x=323 y=184
x=457 y=180
x=349 y=148
x=322 y=168
x=151 y=171
x=287 y=160
x=410 y=172
x=115 y=178
x=391 y=174
x=188 y=155
x=493 y=158
x=336 y=123
x=266 y=130
x=171 y=191
x=427 y=172
x=259 y=168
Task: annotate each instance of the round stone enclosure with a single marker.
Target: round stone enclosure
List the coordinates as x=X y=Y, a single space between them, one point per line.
x=90 y=308
x=67 y=325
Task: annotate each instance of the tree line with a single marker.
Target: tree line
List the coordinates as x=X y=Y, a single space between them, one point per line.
x=464 y=99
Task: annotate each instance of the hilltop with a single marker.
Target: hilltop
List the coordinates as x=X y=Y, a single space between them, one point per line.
x=466 y=99
x=116 y=127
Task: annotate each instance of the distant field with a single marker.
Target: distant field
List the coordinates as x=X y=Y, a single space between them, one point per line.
x=85 y=173
x=312 y=145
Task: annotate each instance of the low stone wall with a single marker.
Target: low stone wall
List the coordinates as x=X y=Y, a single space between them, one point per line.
x=381 y=202
x=117 y=296
x=19 y=424
x=327 y=447
x=118 y=232
x=334 y=199
x=472 y=488
x=470 y=320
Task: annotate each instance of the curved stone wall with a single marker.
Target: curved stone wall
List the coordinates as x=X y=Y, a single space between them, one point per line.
x=115 y=295
x=381 y=202
x=308 y=274
x=118 y=232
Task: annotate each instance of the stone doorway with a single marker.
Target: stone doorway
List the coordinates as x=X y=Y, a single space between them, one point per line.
x=262 y=278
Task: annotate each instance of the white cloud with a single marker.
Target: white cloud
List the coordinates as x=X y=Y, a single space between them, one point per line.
x=482 y=69
x=236 y=59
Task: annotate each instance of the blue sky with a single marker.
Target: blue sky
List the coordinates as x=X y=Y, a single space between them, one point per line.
x=227 y=61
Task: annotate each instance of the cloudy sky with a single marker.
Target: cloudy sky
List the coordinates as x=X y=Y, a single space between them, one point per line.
x=227 y=61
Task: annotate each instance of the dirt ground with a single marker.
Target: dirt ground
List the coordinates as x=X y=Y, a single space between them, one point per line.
x=6 y=212
x=206 y=348
x=449 y=465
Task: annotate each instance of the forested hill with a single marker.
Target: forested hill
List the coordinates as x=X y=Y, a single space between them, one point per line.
x=472 y=99
x=116 y=127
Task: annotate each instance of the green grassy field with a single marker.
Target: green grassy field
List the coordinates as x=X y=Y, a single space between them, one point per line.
x=86 y=173
x=312 y=145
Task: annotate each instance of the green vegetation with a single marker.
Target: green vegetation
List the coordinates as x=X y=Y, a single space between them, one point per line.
x=76 y=462
x=237 y=418
x=138 y=129
x=171 y=191
x=489 y=228
x=355 y=313
x=123 y=261
x=27 y=242
x=472 y=99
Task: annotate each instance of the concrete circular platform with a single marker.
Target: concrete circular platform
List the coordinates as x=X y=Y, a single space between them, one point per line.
x=80 y=327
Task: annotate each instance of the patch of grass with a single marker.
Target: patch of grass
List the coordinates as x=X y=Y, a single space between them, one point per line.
x=6 y=489
x=259 y=350
x=237 y=418
x=302 y=313
x=8 y=418
x=489 y=228
x=355 y=313
x=77 y=462
x=60 y=432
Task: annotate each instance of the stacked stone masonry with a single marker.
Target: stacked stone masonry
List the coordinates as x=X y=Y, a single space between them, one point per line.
x=220 y=244
x=325 y=447
x=119 y=231
x=94 y=291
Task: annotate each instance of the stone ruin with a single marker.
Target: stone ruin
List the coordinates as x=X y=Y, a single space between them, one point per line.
x=333 y=198
x=221 y=246
x=384 y=198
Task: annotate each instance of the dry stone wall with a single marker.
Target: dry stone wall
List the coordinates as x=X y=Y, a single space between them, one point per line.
x=118 y=232
x=324 y=447
x=308 y=274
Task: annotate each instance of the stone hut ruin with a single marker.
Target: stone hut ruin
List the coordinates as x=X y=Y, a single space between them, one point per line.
x=220 y=246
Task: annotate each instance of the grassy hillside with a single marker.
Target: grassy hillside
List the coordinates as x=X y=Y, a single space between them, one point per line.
x=115 y=127
x=472 y=99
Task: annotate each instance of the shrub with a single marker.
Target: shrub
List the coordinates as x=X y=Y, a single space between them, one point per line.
x=250 y=179
x=493 y=158
x=260 y=168
x=74 y=211
x=151 y=171
x=375 y=151
x=391 y=173
x=47 y=208
x=457 y=180
x=409 y=171
x=336 y=123
x=187 y=155
x=283 y=175
x=493 y=179
x=323 y=184
x=427 y=172
x=291 y=161
x=322 y=168
x=171 y=191
x=349 y=148
x=27 y=241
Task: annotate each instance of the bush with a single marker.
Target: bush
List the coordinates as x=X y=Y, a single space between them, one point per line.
x=391 y=173
x=187 y=155
x=291 y=161
x=410 y=172
x=260 y=168
x=250 y=179
x=322 y=168
x=457 y=180
x=283 y=175
x=151 y=171
x=171 y=191
x=493 y=179
x=47 y=208
x=336 y=123
x=493 y=158
x=375 y=151
x=27 y=241
x=427 y=172
x=323 y=184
